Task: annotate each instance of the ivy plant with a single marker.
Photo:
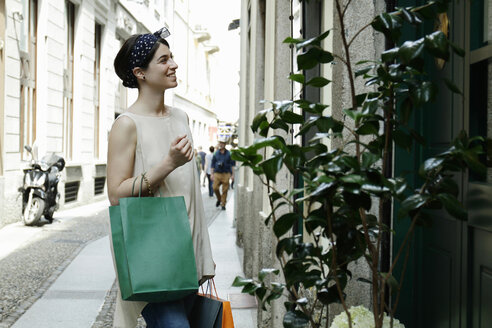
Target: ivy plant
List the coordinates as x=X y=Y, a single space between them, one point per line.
x=344 y=187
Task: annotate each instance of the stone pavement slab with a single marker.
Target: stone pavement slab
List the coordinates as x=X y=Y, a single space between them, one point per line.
x=75 y=298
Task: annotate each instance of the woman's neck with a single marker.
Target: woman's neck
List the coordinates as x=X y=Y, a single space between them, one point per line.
x=150 y=103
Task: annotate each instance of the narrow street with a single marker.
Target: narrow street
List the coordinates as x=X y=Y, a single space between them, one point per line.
x=60 y=275
x=39 y=254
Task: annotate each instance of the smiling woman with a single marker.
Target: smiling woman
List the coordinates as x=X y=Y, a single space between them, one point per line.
x=153 y=141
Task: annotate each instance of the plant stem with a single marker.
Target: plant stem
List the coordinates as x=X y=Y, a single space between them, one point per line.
x=346 y=7
x=398 y=293
x=373 y=264
x=334 y=261
x=358 y=32
x=349 y=69
x=283 y=261
x=383 y=236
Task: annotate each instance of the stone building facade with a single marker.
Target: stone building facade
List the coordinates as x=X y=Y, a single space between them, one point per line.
x=58 y=87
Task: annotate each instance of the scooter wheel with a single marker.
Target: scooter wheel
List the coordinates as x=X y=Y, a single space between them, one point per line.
x=35 y=212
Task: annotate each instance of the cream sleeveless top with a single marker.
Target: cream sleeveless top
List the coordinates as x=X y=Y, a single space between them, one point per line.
x=154 y=137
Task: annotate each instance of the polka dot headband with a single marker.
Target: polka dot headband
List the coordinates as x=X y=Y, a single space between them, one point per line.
x=141 y=49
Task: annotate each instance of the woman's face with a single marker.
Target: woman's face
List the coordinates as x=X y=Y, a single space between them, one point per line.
x=161 y=72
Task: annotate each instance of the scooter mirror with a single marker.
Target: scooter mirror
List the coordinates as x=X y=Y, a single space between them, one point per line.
x=28 y=148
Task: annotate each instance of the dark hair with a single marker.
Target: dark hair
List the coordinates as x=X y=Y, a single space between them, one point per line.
x=122 y=59
x=211 y=149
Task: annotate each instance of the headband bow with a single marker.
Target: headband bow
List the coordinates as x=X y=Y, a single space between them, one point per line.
x=141 y=48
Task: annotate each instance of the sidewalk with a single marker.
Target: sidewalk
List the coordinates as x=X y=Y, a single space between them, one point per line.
x=76 y=297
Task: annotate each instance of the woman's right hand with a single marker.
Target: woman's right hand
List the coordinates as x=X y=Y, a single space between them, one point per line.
x=180 y=152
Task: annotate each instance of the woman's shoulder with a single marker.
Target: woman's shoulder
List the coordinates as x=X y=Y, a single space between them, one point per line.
x=124 y=123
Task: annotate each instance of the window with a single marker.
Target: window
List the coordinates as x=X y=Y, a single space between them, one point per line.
x=68 y=80
x=97 y=84
x=27 y=52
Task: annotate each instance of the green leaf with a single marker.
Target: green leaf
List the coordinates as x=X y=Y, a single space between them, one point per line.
x=316 y=41
x=323 y=189
x=318 y=82
x=327 y=123
x=360 y=200
x=259 y=118
x=389 y=24
x=353 y=114
x=364 y=280
x=353 y=178
x=389 y=55
x=292 y=40
x=370 y=106
x=371 y=127
x=471 y=159
x=407 y=15
x=285 y=223
x=313 y=57
x=271 y=167
x=240 y=281
x=368 y=159
x=276 y=142
x=430 y=165
x=437 y=45
x=279 y=124
x=453 y=206
x=265 y=272
x=350 y=162
x=363 y=71
x=288 y=245
x=424 y=93
x=360 y=98
x=314 y=220
x=410 y=50
x=411 y=203
x=402 y=139
x=451 y=86
x=295 y=319
x=292 y=118
x=457 y=50
x=297 y=78
x=390 y=280
x=251 y=288
x=276 y=195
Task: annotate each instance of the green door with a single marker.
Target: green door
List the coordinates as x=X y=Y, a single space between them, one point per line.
x=449 y=278
x=479 y=200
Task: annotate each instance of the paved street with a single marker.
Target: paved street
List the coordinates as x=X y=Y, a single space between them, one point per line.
x=67 y=265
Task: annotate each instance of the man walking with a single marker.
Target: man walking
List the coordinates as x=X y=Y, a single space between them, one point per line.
x=222 y=171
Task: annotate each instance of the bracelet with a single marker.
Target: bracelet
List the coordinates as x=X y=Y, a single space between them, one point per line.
x=148 y=183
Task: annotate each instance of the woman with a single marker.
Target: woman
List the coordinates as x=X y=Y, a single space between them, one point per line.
x=153 y=141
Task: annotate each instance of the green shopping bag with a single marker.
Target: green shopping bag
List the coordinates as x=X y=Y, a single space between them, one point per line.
x=153 y=248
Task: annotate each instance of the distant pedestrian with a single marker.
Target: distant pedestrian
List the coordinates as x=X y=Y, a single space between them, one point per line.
x=222 y=171
x=208 y=171
x=202 y=157
x=150 y=144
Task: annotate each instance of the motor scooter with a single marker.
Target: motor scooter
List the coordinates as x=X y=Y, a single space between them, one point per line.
x=39 y=192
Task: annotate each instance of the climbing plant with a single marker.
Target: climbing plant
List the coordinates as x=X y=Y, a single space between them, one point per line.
x=345 y=186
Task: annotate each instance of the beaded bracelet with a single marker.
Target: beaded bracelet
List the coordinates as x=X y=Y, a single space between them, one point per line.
x=148 y=183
